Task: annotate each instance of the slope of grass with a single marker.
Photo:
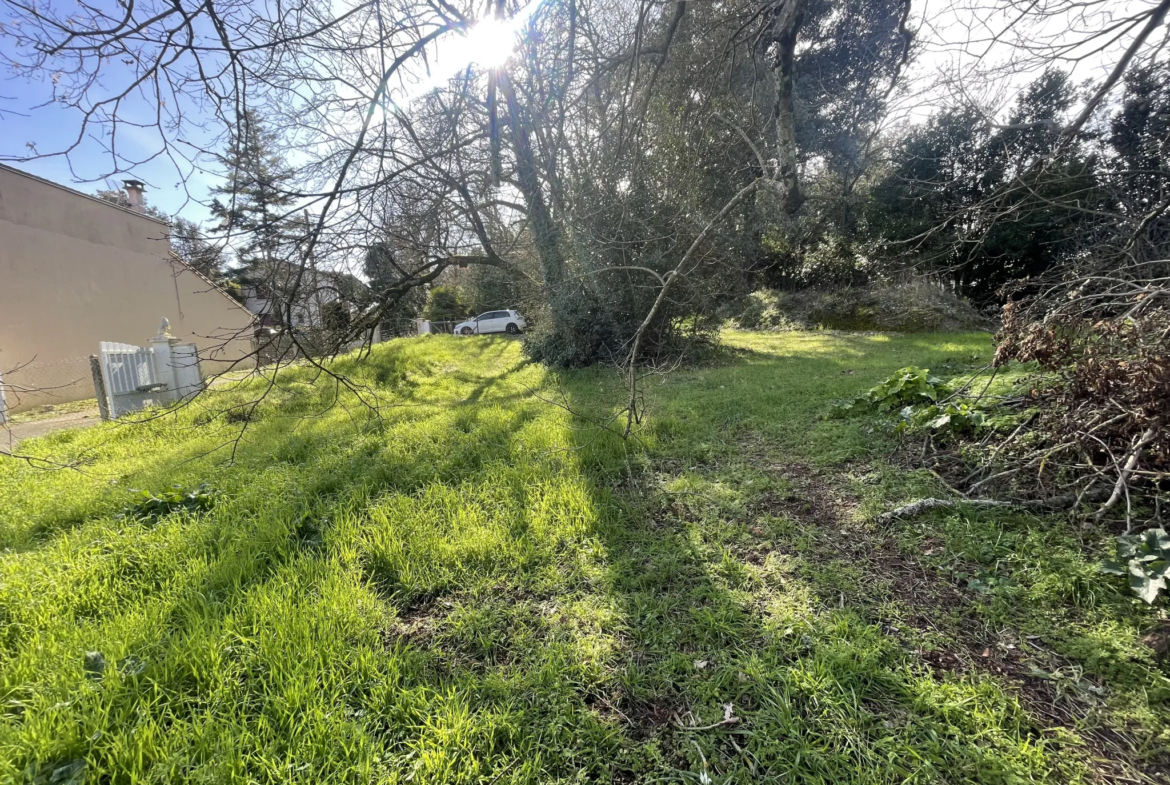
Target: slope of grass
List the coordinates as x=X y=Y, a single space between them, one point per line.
x=443 y=576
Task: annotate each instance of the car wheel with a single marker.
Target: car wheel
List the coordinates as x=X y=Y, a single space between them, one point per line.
x=466 y=331
x=513 y=329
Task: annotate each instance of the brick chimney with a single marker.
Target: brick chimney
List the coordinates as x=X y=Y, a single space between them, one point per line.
x=136 y=189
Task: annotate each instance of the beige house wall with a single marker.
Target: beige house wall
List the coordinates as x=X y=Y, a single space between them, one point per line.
x=75 y=270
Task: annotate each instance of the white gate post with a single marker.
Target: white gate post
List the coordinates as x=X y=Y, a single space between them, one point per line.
x=176 y=365
x=164 y=366
x=185 y=364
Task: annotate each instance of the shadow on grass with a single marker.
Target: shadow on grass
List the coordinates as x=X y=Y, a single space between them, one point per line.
x=180 y=448
x=716 y=622
x=491 y=592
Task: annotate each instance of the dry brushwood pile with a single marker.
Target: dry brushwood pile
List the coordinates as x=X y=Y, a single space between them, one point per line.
x=1101 y=414
x=1084 y=434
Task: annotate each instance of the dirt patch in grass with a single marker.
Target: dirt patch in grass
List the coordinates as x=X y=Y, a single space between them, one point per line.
x=415 y=625
x=1024 y=666
x=812 y=499
x=816 y=501
x=1158 y=639
x=652 y=717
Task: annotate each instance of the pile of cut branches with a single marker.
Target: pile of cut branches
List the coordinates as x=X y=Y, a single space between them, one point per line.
x=1105 y=417
x=1090 y=434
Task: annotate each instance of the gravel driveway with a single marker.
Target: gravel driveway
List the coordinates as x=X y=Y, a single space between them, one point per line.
x=14 y=432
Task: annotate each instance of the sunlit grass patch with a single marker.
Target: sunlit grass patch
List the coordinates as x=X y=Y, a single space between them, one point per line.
x=435 y=575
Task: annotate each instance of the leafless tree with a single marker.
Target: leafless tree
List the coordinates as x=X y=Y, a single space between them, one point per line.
x=493 y=166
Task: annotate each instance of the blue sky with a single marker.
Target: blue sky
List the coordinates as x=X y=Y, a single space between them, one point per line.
x=28 y=116
x=25 y=120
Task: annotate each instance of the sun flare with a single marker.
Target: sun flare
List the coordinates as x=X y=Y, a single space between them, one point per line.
x=490 y=43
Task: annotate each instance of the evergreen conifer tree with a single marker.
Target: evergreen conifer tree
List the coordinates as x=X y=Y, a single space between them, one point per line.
x=254 y=206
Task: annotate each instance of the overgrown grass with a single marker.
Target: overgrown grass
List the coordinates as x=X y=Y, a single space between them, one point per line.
x=467 y=583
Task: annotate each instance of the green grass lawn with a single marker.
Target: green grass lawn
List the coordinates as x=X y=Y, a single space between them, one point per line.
x=447 y=576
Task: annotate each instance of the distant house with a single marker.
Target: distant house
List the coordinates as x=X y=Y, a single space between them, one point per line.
x=76 y=270
x=265 y=293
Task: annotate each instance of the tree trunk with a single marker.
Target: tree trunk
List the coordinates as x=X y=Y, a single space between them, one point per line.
x=546 y=234
x=786 y=21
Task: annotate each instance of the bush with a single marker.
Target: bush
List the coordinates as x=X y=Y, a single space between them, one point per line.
x=766 y=310
x=446 y=303
x=595 y=323
x=917 y=306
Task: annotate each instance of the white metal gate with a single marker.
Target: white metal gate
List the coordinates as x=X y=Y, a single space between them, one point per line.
x=127 y=369
x=128 y=376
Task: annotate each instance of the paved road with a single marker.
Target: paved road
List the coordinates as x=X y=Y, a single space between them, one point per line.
x=13 y=433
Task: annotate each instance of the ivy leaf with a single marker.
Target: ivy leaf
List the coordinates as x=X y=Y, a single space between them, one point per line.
x=1158 y=541
x=1128 y=546
x=1145 y=585
x=1114 y=568
x=72 y=773
x=131 y=666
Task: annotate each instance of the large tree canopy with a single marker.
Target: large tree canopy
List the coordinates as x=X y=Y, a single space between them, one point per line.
x=600 y=150
x=971 y=203
x=628 y=165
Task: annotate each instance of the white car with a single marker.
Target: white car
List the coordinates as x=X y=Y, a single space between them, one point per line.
x=493 y=322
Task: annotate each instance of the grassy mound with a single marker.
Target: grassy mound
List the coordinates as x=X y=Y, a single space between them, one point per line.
x=439 y=576
x=909 y=308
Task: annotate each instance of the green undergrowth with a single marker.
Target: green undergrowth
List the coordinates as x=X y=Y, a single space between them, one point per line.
x=437 y=572
x=911 y=306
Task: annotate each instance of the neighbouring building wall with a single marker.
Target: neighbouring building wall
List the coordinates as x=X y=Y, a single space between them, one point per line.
x=308 y=309
x=75 y=270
